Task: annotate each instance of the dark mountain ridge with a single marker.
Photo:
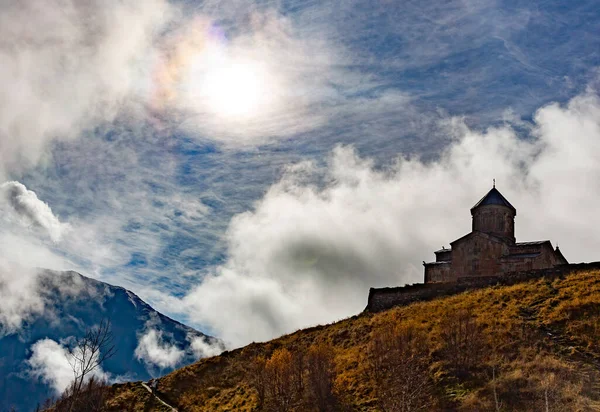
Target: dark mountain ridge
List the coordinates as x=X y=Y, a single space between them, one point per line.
x=74 y=303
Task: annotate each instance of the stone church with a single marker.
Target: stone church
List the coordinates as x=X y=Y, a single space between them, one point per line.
x=491 y=248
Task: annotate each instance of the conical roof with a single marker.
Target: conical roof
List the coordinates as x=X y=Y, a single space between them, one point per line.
x=494 y=197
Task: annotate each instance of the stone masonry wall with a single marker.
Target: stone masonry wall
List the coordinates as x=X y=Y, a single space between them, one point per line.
x=495 y=220
x=438 y=273
x=477 y=255
x=385 y=298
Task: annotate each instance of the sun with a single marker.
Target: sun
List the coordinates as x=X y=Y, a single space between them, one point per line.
x=227 y=87
x=235 y=90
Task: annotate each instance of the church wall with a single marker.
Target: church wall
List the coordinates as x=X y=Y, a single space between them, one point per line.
x=438 y=273
x=549 y=257
x=495 y=220
x=525 y=249
x=477 y=255
x=385 y=298
x=546 y=259
x=443 y=256
x=522 y=264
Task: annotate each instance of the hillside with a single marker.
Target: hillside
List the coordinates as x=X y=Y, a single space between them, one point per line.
x=71 y=304
x=530 y=346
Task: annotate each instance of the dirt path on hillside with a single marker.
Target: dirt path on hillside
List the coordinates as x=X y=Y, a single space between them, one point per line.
x=149 y=389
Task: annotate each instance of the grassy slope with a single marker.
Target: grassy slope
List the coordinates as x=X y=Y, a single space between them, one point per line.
x=536 y=328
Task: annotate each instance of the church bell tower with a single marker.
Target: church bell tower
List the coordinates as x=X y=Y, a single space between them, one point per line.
x=494 y=215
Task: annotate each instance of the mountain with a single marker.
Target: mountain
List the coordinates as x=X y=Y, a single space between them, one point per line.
x=147 y=343
x=529 y=346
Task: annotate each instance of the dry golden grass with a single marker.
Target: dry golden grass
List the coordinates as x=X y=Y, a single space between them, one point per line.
x=533 y=346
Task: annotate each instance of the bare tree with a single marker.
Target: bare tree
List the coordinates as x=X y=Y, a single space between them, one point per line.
x=259 y=379
x=463 y=341
x=320 y=377
x=551 y=386
x=281 y=387
x=90 y=398
x=400 y=368
x=86 y=356
x=299 y=379
x=497 y=402
x=298 y=370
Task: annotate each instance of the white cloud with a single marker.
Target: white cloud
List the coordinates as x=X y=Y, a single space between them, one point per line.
x=308 y=253
x=25 y=293
x=203 y=347
x=106 y=61
x=153 y=350
x=68 y=66
x=50 y=361
x=29 y=251
x=31 y=236
x=20 y=297
x=275 y=79
x=20 y=204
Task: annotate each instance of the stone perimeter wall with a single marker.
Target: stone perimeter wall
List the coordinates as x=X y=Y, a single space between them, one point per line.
x=384 y=298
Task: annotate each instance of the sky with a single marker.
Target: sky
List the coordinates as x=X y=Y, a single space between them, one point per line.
x=254 y=167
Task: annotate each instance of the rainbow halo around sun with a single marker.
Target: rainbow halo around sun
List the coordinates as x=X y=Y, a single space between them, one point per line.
x=223 y=83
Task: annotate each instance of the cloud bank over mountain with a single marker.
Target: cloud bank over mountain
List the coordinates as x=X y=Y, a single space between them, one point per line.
x=28 y=293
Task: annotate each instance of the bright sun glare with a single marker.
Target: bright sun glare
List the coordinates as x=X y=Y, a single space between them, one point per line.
x=231 y=88
x=235 y=90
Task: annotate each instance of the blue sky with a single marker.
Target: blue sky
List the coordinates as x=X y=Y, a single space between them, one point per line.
x=203 y=211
